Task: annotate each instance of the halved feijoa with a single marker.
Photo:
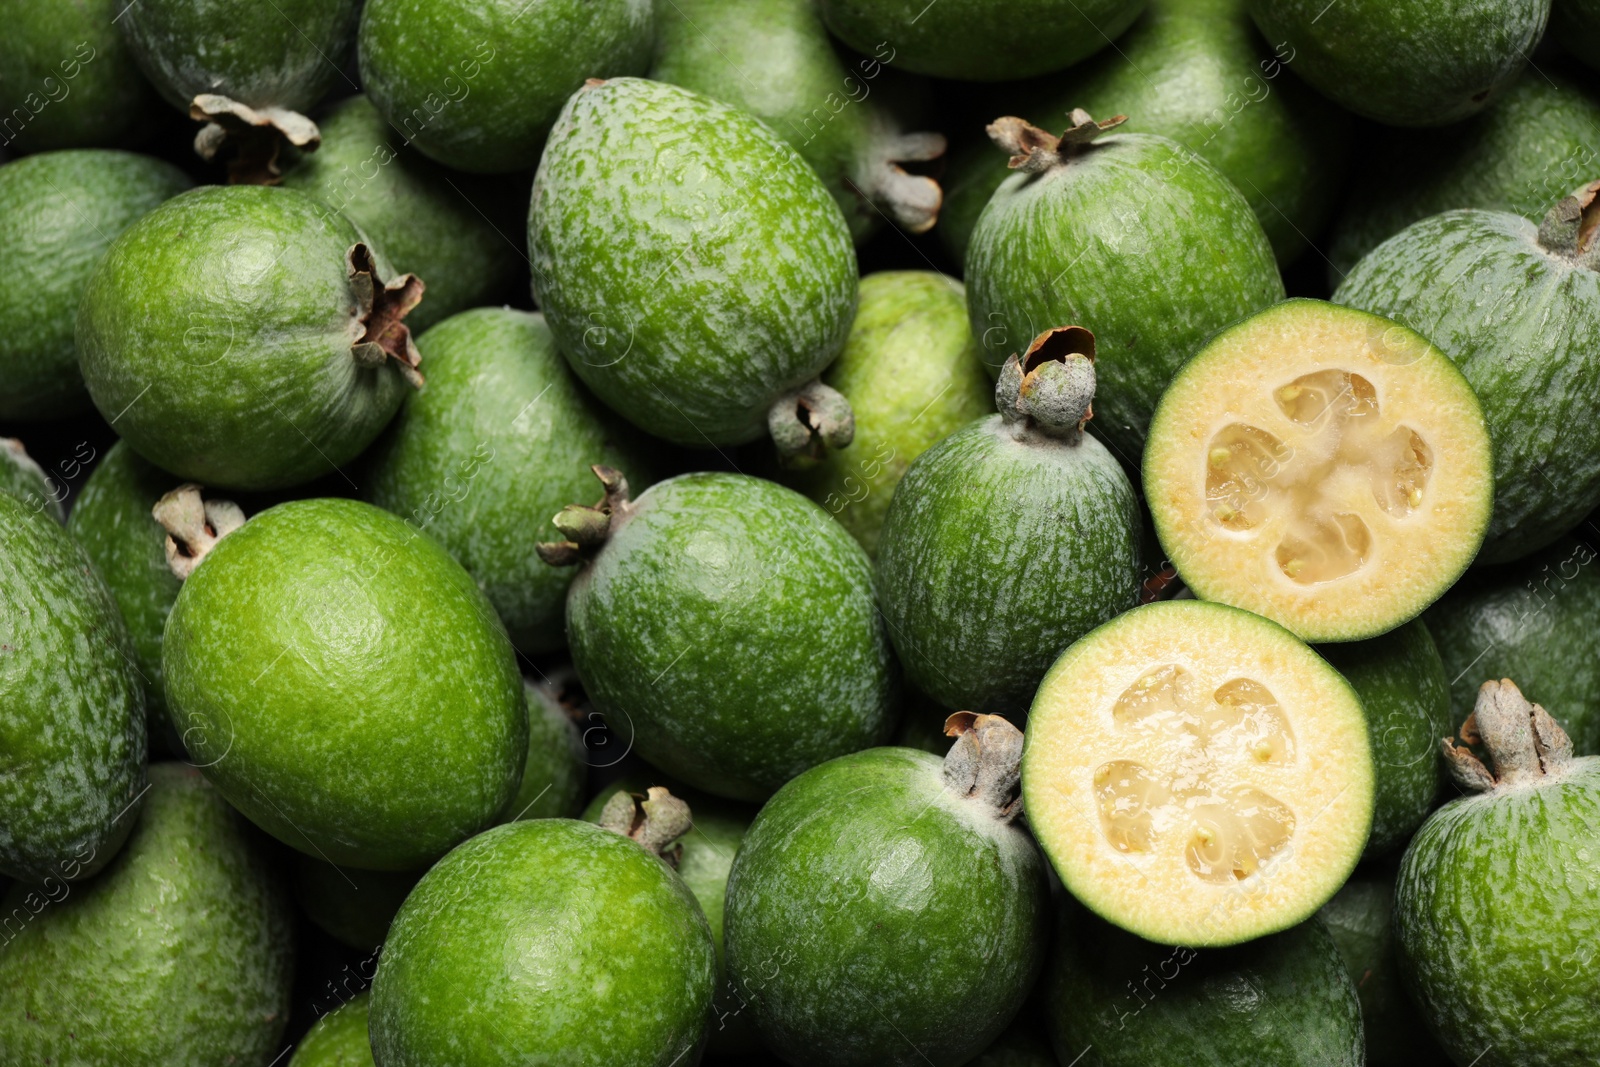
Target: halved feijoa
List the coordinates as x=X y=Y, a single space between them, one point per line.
x=1197 y=775
x=1328 y=470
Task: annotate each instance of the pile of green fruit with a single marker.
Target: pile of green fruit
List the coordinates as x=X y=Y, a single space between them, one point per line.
x=844 y=533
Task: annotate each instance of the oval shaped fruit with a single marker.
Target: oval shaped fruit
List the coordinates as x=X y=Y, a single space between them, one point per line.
x=693 y=268
x=883 y=908
x=22 y=478
x=353 y=906
x=339 y=1038
x=242 y=337
x=346 y=685
x=555 y=772
x=180 y=952
x=1323 y=467
x=1198 y=776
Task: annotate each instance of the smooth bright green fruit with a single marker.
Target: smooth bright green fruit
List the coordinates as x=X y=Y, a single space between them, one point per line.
x=476 y=84
x=25 y=480
x=492 y=960
x=346 y=685
x=884 y=910
x=178 y=955
x=229 y=336
x=353 y=906
x=555 y=773
x=59 y=211
x=72 y=730
x=339 y=1038
x=693 y=268
x=1406 y=62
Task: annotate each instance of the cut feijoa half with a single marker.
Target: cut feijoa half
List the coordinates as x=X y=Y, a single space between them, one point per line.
x=1327 y=469
x=1197 y=775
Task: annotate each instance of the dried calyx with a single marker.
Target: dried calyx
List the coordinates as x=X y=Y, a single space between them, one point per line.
x=1524 y=744
x=588 y=526
x=380 y=313
x=912 y=200
x=1050 y=387
x=1572 y=227
x=194 y=525
x=985 y=763
x=656 y=820
x=257 y=136
x=807 y=421
x=1034 y=151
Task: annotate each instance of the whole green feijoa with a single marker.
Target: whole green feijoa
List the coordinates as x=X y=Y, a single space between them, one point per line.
x=243 y=337
x=72 y=729
x=1497 y=908
x=1133 y=237
x=24 y=479
x=178 y=955
x=911 y=373
x=339 y=1038
x=1010 y=539
x=696 y=288
x=502 y=438
x=492 y=961
x=885 y=910
x=353 y=906
x=727 y=627
x=476 y=84
x=59 y=211
x=346 y=685
x=554 y=774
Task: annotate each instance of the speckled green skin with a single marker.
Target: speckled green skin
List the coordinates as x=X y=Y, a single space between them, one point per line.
x=1576 y=25
x=72 y=730
x=339 y=1038
x=346 y=685
x=501 y=439
x=692 y=266
x=1406 y=694
x=1406 y=62
x=492 y=961
x=178 y=955
x=215 y=336
x=977 y=40
x=877 y=918
x=1497 y=913
x=353 y=906
x=59 y=211
x=1117 y=1001
x=728 y=627
x=1523 y=325
x=22 y=478
x=476 y=84
x=554 y=775
x=1001 y=548
x=1138 y=240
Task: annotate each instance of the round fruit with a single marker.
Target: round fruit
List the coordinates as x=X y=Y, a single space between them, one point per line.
x=353 y=906
x=1227 y=766
x=339 y=1038
x=1010 y=539
x=555 y=773
x=242 y=337
x=1323 y=467
x=884 y=909
x=693 y=287
x=476 y=84
x=22 y=478
x=346 y=685
x=1497 y=910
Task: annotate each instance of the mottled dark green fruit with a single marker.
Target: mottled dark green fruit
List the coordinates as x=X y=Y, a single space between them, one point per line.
x=22 y=478
x=693 y=268
x=1406 y=62
x=1133 y=237
x=72 y=730
x=346 y=685
x=476 y=84
x=242 y=337
x=1576 y=25
x=499 y=441
x=1497 y=908
x=1517 y=307
x=339 y=1038
x=178 y=955
x=728 y=627
x=353 y=906
x=1117 y=1001
x=1535 y=621
x=59 y=211
x=555 y=773
x=493 y=961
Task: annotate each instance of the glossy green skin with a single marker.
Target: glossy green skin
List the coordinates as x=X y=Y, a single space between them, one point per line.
x=1576 y=24
x=1523 y=325
x=59 y=211
x=1497 y=913
x=1118 y=1001
x=476 y=84
x=1137 y=239
x=216 y=335
x=877 y=918
x=346 y=685
x=555 y=775
x=501 y=439
x=976 y=40
x=1407 y=62
x=178 y=955
x=912 y=374
x=692 y=267
x=1001 y=548
x=72 y=730
x=729 y=628
x=492 y=961
x=25 y=480
x=339 y=1038
x=353 y=906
